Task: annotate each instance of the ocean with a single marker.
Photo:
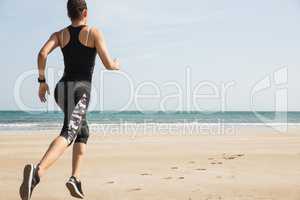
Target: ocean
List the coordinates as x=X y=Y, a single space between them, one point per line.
x=20 y=120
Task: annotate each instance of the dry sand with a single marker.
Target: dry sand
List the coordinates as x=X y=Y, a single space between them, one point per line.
x=246 y=166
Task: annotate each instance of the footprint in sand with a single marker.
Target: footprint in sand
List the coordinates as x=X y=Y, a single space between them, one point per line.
x=135 y=189
x=216 y=162
x=145 y=174
x=233 y=156
x=181 y=177
x=200 y=169
x=230 y=158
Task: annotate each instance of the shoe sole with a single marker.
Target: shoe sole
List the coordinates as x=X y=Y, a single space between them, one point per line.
x=73 y=190
x=26 y=184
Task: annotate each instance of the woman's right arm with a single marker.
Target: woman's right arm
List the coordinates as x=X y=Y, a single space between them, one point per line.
x=102 y=50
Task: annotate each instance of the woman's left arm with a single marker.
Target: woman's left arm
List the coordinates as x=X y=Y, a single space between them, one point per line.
x=48 y=47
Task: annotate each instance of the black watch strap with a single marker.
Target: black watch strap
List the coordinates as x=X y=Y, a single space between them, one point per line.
x=41 y=80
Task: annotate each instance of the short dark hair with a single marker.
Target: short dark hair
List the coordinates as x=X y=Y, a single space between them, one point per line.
x=75 y=8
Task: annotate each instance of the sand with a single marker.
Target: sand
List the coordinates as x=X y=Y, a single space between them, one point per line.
x=255 y=164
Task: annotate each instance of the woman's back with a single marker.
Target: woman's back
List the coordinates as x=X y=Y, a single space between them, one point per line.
x=79 y=53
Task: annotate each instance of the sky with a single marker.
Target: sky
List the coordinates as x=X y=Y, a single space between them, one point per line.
x=175 y=55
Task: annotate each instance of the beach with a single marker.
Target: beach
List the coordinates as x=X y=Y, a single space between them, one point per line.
x=255 y=163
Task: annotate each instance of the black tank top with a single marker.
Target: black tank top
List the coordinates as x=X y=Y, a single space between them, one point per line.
x=79 y=59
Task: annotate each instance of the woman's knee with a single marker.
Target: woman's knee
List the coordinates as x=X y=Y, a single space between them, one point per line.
x=79 y=148
x=81 y=140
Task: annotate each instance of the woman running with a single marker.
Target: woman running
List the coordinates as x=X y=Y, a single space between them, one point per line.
x=79 y=44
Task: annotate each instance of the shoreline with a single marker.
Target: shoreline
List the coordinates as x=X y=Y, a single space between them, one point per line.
x=153 y=129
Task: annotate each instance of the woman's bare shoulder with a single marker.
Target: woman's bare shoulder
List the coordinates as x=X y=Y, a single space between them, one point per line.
x=96 y=32
x=63 y=30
